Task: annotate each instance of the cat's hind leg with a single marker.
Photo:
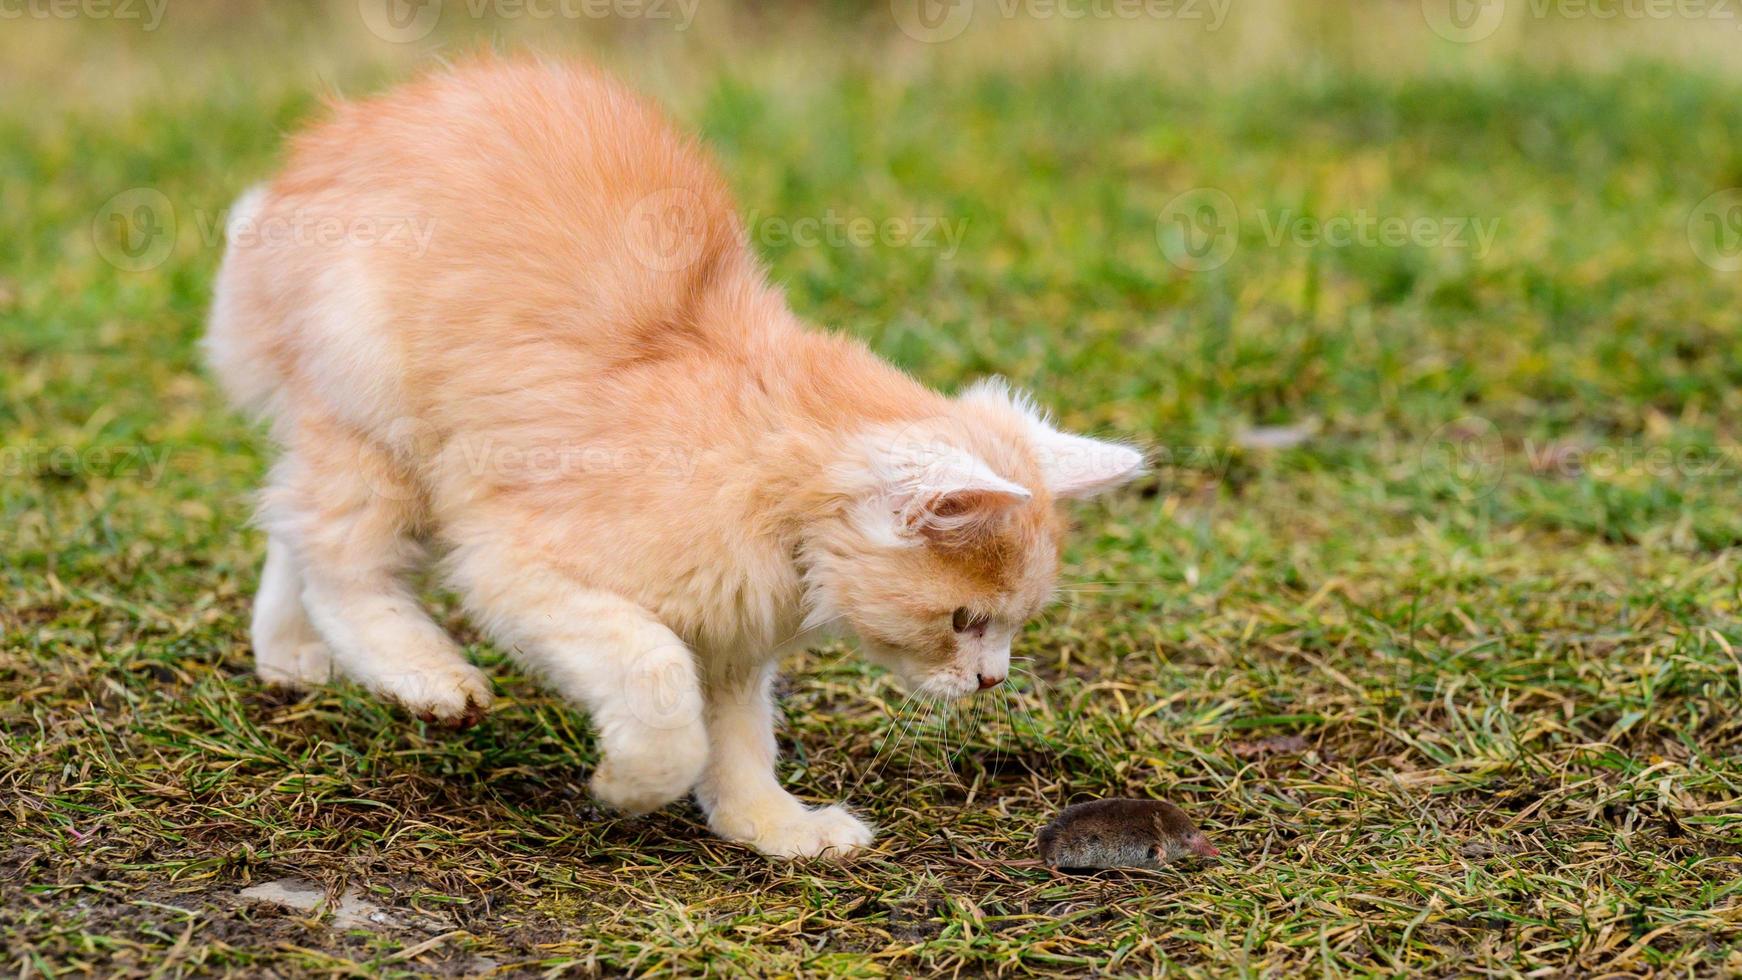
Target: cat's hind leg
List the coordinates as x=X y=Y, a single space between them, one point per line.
x=350 y=514
x=287 y=649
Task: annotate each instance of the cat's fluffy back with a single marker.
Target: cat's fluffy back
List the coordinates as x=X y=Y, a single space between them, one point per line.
x=514 y=192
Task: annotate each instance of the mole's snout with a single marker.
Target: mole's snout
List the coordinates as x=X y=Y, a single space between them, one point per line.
x=987 y=681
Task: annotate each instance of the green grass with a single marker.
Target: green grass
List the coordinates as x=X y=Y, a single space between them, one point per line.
x=1453 y=683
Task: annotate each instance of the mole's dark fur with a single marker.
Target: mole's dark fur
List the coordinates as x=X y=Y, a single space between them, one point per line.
x=1121 y=834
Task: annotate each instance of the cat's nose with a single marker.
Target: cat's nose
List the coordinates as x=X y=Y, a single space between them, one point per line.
x=987 y=681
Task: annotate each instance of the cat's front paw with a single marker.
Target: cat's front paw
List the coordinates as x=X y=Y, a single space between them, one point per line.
x=826 y=832
x=641 y=778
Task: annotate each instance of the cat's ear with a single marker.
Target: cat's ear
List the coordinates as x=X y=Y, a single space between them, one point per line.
x=945 y=492
x=1075 y=467
x=1072 y=466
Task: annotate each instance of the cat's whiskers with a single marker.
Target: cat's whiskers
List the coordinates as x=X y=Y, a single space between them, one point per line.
x=958 y=741
x=1014 y=736
x=972 y=728
x=929 y=711
x=910 y=730
x=900 y=721
x=1020 y=667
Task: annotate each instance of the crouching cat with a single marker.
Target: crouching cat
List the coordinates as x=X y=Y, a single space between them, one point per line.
x=507 y=313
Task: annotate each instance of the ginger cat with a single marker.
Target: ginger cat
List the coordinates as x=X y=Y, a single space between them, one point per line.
x=644 y=476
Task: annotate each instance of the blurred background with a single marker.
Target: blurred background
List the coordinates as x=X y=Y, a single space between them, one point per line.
x=1227 y=213
x=1469 y=238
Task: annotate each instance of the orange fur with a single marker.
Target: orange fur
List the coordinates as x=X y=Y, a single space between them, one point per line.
x=636 y=461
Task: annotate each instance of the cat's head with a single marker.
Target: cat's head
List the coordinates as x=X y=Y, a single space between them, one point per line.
x=948 y=540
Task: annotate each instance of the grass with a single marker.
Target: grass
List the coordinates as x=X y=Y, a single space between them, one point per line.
x=1452 y=681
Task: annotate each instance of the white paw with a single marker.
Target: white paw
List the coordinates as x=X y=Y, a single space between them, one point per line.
x=455 y=695
x=826 y=832
x=307 y=664
x=642 y=773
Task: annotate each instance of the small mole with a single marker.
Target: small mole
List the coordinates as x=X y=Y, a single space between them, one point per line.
x=1121 y=833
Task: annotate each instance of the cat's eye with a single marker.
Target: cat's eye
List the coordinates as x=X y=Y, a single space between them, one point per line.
x=964 y=621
